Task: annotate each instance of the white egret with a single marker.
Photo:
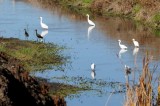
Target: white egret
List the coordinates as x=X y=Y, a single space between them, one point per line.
x=136 y=44
x=93 y=66
x=89 y=21
x=122 y=46
x=43 y=25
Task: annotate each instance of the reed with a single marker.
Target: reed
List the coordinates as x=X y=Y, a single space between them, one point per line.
x=141 y=94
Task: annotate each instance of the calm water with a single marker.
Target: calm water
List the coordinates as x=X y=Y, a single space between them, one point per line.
x=86 y=45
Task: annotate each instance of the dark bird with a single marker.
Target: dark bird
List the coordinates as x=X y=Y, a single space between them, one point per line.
x=38 y=35
x=26 y=33
x=127 y=70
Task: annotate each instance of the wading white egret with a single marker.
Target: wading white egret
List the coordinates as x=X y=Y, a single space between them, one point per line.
x=43 y=25
x=89 y=21
x=136 y=44
x=93 y=66
x=122 y=46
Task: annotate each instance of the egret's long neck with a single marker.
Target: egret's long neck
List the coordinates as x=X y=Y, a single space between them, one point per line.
x=88 y=17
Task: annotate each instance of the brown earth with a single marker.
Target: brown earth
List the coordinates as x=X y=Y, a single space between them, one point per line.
x=18 y=88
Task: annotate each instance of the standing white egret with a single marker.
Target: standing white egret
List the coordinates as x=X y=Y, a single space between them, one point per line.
x=89 y=21
x=136 y=44
x=122 y=46
x=43 y=25
x=93 y=66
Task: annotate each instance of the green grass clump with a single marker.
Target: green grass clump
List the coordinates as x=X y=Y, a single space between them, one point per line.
x=34 y=55
x=87 y=1
x=156 y=17
x=137 y=8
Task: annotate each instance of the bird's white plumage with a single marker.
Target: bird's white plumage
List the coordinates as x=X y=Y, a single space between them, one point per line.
x=136 y=44
x=122 y=46
x=93 y=74
x=93 y=66
x=43 y=25
x=89 y=21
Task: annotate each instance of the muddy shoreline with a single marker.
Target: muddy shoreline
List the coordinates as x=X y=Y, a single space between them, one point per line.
x=20 y=89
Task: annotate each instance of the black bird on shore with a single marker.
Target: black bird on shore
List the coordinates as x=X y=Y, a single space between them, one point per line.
x=26 y=33
x=38 y=35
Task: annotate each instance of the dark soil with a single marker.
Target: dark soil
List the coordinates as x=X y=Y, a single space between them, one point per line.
x=17 y=88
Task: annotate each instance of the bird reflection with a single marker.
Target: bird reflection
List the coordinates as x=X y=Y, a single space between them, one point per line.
x=93 y=74
x=90 y=30
x=121 y=52
x=44 y=33
x=135 y=51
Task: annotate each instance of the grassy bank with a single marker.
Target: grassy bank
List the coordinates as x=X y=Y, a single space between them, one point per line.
x=33 y=55
x=143 y=11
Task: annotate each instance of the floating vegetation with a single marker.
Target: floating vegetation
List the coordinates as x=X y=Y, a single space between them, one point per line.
x=98 y=85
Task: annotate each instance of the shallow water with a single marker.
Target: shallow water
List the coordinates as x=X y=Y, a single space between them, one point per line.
x=86 y=45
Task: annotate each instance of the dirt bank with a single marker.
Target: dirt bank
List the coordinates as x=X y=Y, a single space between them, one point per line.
x=17 y=88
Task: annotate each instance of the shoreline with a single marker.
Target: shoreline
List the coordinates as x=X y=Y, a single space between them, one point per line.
x=147 y=13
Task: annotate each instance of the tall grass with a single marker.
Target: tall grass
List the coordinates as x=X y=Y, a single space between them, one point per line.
x=141 y=94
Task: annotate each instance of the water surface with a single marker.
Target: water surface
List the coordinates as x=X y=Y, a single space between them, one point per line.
x=85 y=45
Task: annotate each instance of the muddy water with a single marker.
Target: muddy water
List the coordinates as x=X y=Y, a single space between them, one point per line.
x=86 y=45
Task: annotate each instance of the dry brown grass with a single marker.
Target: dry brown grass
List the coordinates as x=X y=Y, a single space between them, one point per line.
x=141 y=94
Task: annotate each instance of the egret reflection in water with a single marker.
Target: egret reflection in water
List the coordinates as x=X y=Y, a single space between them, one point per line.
x=93 y=74
x=90 y=28
x=44 y=33
x=135 y=51
x=122 y=51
